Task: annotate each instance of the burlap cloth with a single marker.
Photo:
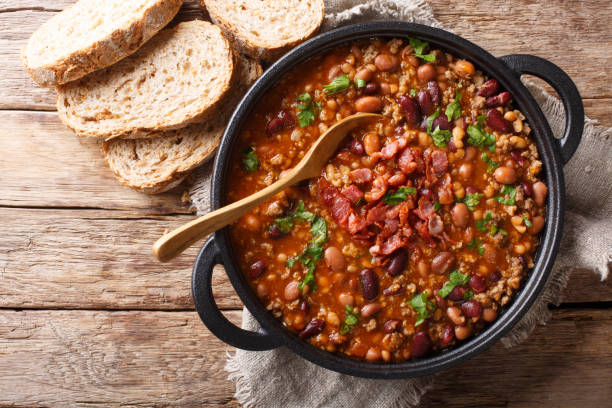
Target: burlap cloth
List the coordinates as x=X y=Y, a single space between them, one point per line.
x=279 y=378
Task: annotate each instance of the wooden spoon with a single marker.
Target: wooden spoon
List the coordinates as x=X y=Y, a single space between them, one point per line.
x=175 y=242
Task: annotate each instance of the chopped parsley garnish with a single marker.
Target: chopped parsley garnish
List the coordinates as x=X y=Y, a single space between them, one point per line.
x=250 y=159
x=508 y=194
x=491 y=165
x=468 y=295
x=477 y=137
x=472 y=200
x=453 y=110
x=413 y=93
x=437 y=205
x=419 y=46
x=284 y=224
x=495 y=229
x=337 y=85
x=350 y=319
x=477 y=245
x=455 y=279
x=441 y=137
x=481 y=225
x=308 y=109
x=526 y=221
x=360 y=83
x=420 y=305
x=400 y=195
x=431 y=118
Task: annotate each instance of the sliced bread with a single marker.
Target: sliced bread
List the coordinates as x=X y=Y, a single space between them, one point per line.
x=177 y=78
x=89 y=35
x=265 y=29
x=157 y=164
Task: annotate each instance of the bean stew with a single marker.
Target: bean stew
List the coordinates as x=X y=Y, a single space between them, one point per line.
x=423 y=225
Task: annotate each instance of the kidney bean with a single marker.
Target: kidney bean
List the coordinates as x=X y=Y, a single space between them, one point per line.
x=440 y=301
x=356 y=147
x=497 y=121
x=370 y=309
x=394 y=289
x=315 y=326
x=478 y=284
x=334 y=259
x=421 y=344
x=425 y=103
x=505 y=175
x=455 y=315
x=462 y=332
x=434 y=92
x=523 y=261
x=448 y=334
x=392 y=325
x=364 y=74
x=498 y=100
x=257 y=268
x=274 y=232
x=411 y=110
x=426 y=193
x=451 y=146
x=494 y=276
x=371 y=88
x=440 y=57
x=471 y=308
x=488 y=314
x=304 y=307
x=537 y=224
x=370 y=104
x=473 y=190
x=426 y=72
x=489 y=88
x=460 y=214
x=292 y=291
x=275 y=125
x=442 y=263
x=387 y=62
x=526 y=188
x=369 y=284
x=539 y=193
x=456 y=294
x=441 y=122
x=397 y=263
x=516 y=156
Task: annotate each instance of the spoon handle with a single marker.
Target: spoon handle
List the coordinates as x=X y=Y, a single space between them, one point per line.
x=175 y=242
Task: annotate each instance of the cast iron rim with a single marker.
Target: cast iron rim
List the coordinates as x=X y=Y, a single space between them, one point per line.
x=549 y=155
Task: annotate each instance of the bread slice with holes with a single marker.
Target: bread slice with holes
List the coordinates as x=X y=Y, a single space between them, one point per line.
x=265 y=29
x=177 y=78
x=88 y=36
x=157 y=164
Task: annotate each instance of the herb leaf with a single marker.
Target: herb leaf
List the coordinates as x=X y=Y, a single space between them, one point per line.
x=338 y=84
x=468 y=295
x=360 y=83
x=419 y=46
x=250 y=159
x=491 y=164
x=477 y=245
x=441 y=137
x=307 y=113
x=419 y=303
x=413 y=93
x=431 y=118
x=455 y=279
x=477 y=137
x=350 y=319
x=481 y=225
x=507 y=191
x=284 y=224
x=527 y=222
x=400 y=195
x=437 y=205
x=453 y=110
x=472 y=200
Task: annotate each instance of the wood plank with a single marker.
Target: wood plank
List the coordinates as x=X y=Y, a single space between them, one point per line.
x=577 y=28
x=87 y=358
x=45 y=164
x=94 y=259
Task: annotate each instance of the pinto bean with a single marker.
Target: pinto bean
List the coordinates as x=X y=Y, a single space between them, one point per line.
x=505 y=175
x=315 y=326
x=387 y=62
x=364 y=74
x=334 y=259
x=464 y=68
x=442 y=263
x=346 y=299
x=392 y=290
x=537 y=224
x=466 y=170
x=426 y=73
x=392 y=325
x=369 y=104
x=370 y=309
x=334 y=72
x=462 y=332
x=397 y=179
x=460 y=215
x=497 y=121
x=371 y=143
x=397 y=263
x=369 y=284
x=539 y=193
x=292 y=291
x=489 y=314
x=470 y=153
x=455 y=315
x=421 y=344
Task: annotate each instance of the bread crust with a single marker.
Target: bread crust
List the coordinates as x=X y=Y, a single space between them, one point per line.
x=247 y=47
x=122 y=42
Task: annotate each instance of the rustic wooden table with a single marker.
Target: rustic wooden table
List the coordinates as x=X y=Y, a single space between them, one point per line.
x=88 y=318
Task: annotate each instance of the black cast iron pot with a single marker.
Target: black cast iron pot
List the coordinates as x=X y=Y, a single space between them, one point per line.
x=553 y=153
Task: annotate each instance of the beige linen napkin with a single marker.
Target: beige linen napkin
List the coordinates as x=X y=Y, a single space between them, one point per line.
x=279 y=378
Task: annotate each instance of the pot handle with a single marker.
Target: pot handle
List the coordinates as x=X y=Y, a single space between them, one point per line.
x=565 y=87
x=201 y=286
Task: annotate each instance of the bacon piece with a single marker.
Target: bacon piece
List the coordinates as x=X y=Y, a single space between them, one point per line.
x=361 y=176
x=439 y=161
x=423 y=231
x=389 y=228
x=356 y=223
x=426 y=208
x=353 y=193
x=377 y=214
x=445 y=191
x=430 y=174
x=392 y=244
x=379 y=188
x=340 y=210
x=393 y=147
